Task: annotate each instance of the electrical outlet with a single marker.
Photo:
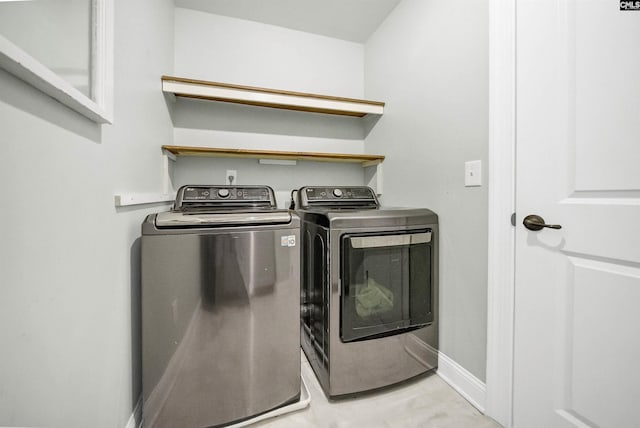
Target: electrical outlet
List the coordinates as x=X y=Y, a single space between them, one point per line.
x=473 y=173
x=231 y=177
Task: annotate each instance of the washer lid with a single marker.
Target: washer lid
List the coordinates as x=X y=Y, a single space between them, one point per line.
x=219 y=219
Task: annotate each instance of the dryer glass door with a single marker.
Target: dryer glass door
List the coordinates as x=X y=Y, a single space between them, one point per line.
x=386 y=284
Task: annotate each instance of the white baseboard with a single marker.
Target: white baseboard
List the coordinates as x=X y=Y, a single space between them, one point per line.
x=466 y=384
x=135 y=421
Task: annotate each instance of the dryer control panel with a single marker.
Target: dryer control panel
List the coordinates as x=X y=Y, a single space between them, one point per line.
x=360 y=196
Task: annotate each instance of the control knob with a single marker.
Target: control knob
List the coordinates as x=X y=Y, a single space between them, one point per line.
x=223 y=193
x=337 y=193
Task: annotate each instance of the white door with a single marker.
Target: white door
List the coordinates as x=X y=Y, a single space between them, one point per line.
x=577 y=295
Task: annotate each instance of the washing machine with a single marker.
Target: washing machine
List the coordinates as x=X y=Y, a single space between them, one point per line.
x=369 y=316
x=220 y=308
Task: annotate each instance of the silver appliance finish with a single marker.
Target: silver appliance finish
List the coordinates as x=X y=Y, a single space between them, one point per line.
x=220 y=308
x=344 y=369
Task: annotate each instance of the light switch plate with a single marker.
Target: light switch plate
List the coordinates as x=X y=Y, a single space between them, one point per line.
x=473 y=173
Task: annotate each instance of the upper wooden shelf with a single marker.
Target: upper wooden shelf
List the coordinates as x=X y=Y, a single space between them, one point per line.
x=274 y=98
x=364 y=160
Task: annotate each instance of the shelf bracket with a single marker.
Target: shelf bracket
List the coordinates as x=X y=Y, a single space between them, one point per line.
x=167 y=184
x=287 y=162
x=375 y=179
x=130 y=199
x=167 y=195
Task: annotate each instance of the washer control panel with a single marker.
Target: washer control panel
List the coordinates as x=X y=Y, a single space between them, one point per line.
x=216 y=196
x=338 y=195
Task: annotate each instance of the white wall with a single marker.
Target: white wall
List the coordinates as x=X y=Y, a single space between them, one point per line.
x=229 y=50
x=429 y=63
x=223 y=49
x=69 y=323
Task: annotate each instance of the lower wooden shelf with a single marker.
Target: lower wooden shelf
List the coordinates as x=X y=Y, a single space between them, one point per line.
x=171 y=152
x=363 y=159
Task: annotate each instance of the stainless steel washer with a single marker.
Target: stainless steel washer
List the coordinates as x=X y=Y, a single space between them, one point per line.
x=369 y=289
x=220 y=308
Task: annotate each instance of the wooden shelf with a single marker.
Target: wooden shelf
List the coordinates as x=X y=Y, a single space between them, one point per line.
x=273 y=98
x=364 y=160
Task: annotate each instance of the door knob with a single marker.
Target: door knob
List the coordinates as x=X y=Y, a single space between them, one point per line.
x=535 y=222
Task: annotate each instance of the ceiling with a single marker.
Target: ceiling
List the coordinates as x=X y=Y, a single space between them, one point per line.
x=353 y=20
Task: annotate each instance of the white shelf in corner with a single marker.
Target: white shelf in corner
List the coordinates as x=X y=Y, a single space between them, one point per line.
x=128 y=199
x=274 y=98
x=364 y=159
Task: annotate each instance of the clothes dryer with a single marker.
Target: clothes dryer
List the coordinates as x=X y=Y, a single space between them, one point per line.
x=369 y=289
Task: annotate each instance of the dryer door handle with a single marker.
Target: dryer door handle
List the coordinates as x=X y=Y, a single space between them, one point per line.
x=390 y=240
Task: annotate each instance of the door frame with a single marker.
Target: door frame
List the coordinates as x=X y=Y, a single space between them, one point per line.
x=501 y=205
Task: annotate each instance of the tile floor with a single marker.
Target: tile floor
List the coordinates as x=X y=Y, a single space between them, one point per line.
x=427 y=402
